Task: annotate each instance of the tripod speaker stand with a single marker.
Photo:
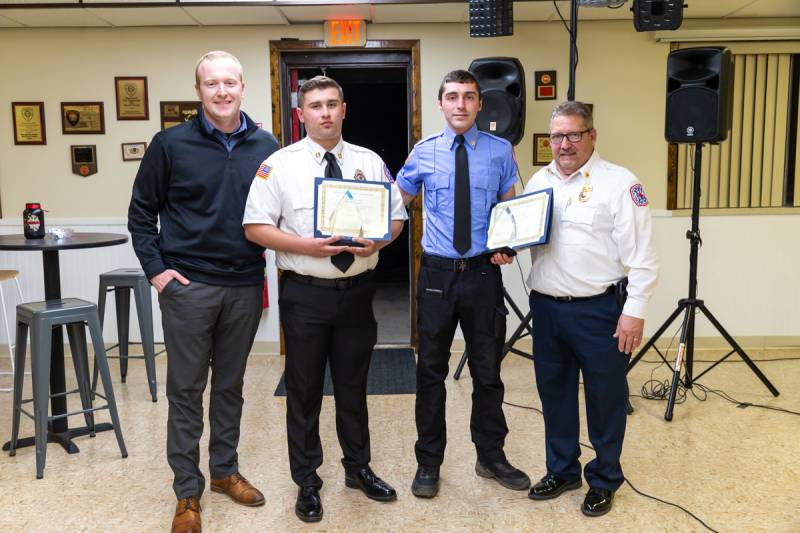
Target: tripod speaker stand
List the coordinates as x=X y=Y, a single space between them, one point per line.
x=685 y=357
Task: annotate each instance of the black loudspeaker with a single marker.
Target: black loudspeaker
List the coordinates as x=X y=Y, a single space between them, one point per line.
x=502 y=82
x=699 y=95
x=491 y=18
x=652 y=15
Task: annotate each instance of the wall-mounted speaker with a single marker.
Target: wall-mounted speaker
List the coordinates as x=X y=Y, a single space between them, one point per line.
x=502 y=81
x=491 y=18
x=653 y=15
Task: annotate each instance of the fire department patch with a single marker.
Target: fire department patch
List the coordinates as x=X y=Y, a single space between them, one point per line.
x=263 y=171
x=638 y=196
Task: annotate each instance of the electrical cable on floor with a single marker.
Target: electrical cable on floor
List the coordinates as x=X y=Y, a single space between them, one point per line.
x=637 y=491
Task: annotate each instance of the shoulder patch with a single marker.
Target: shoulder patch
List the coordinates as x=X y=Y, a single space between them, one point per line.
x=264 y=171
x=637 y=195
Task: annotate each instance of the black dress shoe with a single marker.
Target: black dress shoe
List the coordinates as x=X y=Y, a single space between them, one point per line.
x=505 y=474
x=597 y=502
x=309 y=505
x=374 y=487
x=426 y=482
x=551 y=486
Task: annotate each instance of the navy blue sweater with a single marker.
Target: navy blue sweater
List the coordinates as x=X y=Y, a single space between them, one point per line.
x=198 y=190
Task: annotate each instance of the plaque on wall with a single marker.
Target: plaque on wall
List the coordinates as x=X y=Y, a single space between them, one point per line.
x=174 y=113
x=84 y=159
x=131 y=93
x=133 y=151
x=28 y=122
x=82 y=117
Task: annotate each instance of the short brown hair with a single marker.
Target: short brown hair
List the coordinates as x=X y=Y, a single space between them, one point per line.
x=318 y=82
x=216 y=54
x=574 y=109
x=459 y=76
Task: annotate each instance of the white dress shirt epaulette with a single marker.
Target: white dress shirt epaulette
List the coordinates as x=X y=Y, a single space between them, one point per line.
x=282 y=195
x=601 y=230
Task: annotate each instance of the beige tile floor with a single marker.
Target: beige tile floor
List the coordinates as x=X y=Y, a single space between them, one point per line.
x=735 y=468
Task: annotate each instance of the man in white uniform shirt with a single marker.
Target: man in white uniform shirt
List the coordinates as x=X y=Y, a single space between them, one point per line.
x=582 y=322
x=326 y=292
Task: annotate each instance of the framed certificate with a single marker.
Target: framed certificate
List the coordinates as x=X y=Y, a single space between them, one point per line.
x=133 y=151
x=351 y=208
x=521 y=222
x=28 y=122
x=542 y=151
x=82 y=117
x=131 y=93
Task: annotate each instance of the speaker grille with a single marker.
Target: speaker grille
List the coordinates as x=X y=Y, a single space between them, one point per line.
x=491 y=18
x=692 y=119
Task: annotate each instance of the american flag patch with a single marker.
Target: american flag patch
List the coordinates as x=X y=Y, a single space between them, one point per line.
x=263 y=171
x=638 y=196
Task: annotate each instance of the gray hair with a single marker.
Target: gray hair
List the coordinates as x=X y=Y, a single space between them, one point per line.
x=575 y=109
x=216 y=54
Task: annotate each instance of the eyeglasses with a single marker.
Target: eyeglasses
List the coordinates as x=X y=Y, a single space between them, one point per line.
x=573 y=136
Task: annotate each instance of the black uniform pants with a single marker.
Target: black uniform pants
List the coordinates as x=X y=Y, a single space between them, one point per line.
x=323 y=324
x=206 y=326
x=473 y=298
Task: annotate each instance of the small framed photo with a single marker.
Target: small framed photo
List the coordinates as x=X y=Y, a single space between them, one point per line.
x=28 y=122
x=82 y=117
x=133 y=151
x=131 y=93
x=542 y=151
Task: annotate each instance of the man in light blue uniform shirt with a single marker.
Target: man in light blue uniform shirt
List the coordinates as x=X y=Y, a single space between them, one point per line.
x=465 y=172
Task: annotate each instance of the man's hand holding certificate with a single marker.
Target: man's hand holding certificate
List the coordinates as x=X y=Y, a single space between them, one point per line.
x=521 y=222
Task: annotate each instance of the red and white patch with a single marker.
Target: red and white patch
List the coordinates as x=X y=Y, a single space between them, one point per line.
x=264 y=171
x=638 y=196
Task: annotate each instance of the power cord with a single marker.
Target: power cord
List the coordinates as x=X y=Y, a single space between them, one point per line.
x=637 y=491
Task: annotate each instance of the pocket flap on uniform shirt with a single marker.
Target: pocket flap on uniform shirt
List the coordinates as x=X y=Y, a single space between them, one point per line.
x=579 y=214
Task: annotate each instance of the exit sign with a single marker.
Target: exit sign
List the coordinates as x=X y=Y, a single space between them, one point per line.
x=345 y=33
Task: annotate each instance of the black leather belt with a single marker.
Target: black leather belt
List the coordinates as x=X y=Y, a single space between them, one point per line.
x=332 y=283
x=455 y=265
x=608 y=291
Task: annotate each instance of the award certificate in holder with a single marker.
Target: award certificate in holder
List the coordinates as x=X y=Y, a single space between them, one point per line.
x=521 y=222
x=352 y=208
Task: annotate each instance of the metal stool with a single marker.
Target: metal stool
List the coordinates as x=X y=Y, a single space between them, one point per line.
x=8 y=275
x=121 y=281
x=41 y=317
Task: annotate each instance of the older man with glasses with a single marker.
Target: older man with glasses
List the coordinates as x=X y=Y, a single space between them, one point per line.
x=582 y=321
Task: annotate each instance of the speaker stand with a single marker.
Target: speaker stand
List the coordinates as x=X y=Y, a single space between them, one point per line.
x=684 y=359
x=524 y=329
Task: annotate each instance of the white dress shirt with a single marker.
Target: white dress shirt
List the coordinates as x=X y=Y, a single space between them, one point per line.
x=595 y=240
x=282 y=195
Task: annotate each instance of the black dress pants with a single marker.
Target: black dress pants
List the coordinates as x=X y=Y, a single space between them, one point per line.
x=473 y=298
x=206 y=326
x=322 y=324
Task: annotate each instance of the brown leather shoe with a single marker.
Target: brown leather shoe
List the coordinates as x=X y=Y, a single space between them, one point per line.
x=239 y=489
x=187 y=516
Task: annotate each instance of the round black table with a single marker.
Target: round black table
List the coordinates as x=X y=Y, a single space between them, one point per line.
x=58 y=431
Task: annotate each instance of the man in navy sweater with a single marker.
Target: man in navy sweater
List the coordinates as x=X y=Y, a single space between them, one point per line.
x=194 y=179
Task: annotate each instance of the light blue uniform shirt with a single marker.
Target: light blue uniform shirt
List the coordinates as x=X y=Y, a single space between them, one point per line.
x=229 y=140
x=492 y=172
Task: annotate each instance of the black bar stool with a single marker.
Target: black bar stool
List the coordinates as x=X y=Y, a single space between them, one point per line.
x=122 y=281
x=41 y=318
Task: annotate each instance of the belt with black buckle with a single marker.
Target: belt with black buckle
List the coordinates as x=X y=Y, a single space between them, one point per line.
x=609 y=290
x=455 y=265
x=330 y=283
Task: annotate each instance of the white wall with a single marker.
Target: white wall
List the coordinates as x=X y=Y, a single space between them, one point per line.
x=747 y=273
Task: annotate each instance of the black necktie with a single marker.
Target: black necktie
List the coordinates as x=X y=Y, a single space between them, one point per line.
x=342 y=260
x=462 y=220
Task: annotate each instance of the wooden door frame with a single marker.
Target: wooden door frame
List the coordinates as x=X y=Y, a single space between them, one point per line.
x=276 y=51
